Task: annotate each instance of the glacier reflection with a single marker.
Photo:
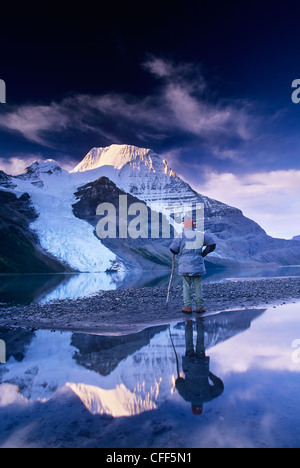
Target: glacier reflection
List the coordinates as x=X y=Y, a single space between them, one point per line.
x=25 y=289
x=123 y=375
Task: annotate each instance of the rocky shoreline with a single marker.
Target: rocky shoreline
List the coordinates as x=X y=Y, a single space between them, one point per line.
x=131 y=310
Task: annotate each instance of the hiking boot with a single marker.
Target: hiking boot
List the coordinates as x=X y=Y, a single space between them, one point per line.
x=187 y=310
x=201 y=311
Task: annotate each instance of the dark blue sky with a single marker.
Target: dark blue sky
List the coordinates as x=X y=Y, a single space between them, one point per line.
x=208 y=84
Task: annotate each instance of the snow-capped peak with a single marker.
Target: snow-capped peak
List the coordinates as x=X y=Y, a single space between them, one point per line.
x=116 y=156
x=39 y=171
x=43 y=167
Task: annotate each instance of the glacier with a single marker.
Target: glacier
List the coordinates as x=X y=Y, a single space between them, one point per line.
x=67 y=238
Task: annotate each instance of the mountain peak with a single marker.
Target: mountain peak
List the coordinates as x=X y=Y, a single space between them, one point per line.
x=36 y=172
x=49 y=166
x=116 y=156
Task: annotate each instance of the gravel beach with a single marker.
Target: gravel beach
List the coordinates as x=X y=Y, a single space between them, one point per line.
x=131 y=310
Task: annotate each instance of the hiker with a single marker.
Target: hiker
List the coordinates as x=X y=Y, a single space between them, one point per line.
x=195 y=388
x=191 y=263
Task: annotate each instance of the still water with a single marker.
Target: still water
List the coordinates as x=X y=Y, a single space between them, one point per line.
x=227 y=380
x=25 y=289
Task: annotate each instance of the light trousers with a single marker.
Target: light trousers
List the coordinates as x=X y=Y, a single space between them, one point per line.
x=187 y=291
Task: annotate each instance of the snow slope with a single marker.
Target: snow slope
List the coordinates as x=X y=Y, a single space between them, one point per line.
x=138 y=171
x=69 y=239
x=114 y=155
x=142 y=173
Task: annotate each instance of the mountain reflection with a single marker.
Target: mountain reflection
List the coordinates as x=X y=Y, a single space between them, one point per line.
x=123 y=375
x=146 y=363
x=104 y=353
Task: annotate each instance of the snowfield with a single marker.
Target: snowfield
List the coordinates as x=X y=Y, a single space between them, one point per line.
x=64 y=236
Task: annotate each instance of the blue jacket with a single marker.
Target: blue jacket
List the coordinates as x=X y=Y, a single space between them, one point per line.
x=190 y=248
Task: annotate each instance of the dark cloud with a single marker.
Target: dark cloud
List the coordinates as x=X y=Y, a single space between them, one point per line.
x=177 y=112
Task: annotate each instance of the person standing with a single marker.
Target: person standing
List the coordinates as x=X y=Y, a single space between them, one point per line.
x=191 y=263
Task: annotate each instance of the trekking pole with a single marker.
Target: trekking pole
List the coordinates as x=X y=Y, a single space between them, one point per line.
x=170 y=282
x=175 y=352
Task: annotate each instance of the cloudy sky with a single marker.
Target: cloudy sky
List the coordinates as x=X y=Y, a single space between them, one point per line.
x=206 y=84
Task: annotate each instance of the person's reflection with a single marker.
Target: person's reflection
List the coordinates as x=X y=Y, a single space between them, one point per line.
x=195 y=388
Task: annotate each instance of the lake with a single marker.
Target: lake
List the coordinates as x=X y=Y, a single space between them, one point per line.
x=25 y=289
x=225 y=380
